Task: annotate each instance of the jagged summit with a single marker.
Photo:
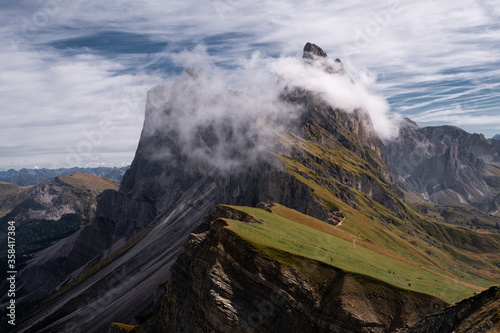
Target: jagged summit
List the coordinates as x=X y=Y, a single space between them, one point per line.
x=313 y=50
x=315 y=56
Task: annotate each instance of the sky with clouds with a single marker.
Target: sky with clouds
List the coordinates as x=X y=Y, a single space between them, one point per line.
x=74 y=74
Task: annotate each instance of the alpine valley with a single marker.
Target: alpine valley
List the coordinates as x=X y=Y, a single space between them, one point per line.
x=298 y=219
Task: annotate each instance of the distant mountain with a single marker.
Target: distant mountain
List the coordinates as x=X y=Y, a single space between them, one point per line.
x=49 y=211
x=27 y=177
x=446 y=165
x=496 y=137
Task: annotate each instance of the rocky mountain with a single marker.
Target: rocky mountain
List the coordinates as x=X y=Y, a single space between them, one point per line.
x=332 y=239
x=49 y=211
x=446 y=165
x=479 y=313
x=496 y=137
x=51 y=200
x=28 y=177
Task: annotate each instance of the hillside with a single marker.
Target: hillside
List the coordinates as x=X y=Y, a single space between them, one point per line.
x=283 y=271
x=328 y=201
x=50 y=200
x=9 y=190
x=47 y=212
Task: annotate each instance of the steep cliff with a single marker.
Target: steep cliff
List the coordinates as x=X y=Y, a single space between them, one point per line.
x=480 y=313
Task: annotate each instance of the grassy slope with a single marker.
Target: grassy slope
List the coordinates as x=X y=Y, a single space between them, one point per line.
x=90 y=182
x=286 y=230
x=8 y=189
x=458 y=253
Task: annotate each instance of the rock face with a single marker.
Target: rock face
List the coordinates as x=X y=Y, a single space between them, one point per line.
x=183 y=168
x=446 y=165
x=220 y=284
x=479 y=313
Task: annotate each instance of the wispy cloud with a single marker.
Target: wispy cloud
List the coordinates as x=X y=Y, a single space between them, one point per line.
x=67 y=66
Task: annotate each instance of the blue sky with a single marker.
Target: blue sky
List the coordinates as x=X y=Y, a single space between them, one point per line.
x=74 y=74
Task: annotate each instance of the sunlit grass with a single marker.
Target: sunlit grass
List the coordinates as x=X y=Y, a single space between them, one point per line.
x=289 y=231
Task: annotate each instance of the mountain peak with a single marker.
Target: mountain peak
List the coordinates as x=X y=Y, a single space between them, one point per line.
x=315 y=56
x=312 y=50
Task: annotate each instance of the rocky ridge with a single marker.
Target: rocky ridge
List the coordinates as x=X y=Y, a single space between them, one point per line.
x=221 y=284
x=479 y=314
x=28 y=177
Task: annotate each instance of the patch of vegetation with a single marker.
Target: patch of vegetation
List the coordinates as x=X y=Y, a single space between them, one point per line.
x=89 y=182
x=287 y=231
x=124 y=327
x=464 y=216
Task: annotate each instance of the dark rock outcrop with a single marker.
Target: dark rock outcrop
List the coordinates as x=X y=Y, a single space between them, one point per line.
x=480 y=313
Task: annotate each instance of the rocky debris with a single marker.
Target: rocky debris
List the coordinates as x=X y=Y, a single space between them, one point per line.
x=446 y=165
x=220 y=284
x=479 y=314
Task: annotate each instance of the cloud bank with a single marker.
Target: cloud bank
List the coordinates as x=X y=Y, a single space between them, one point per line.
x=227 y=118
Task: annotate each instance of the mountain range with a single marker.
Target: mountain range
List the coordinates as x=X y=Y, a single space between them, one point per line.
x=28 y=177
x=290 y=220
